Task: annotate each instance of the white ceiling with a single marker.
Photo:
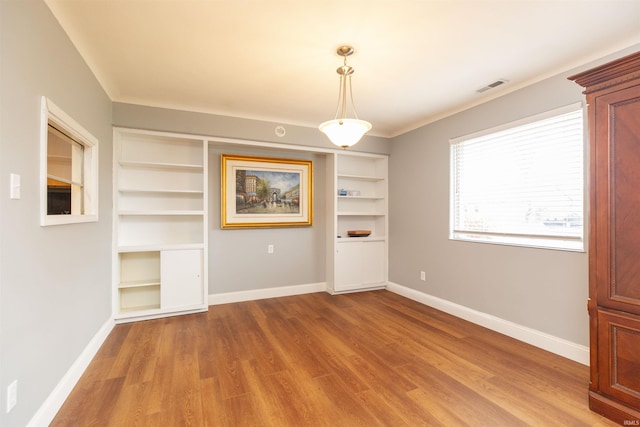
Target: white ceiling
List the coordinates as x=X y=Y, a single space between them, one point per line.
x=415 y=61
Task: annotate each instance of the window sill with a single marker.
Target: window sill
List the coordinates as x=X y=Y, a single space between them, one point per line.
x=66 y=219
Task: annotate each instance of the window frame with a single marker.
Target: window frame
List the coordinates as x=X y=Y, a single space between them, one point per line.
x=51 y=113
x=563 y=243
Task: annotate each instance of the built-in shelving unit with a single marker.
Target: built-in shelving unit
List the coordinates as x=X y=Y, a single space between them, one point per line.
x=357 y=200
x=160 y=204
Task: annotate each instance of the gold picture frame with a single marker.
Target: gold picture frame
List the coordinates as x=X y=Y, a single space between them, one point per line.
x=263 y=192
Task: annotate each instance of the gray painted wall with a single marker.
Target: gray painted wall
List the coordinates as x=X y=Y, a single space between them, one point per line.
x=238 y=259
x=55 y=282
x=543 y=289
x=162 y=119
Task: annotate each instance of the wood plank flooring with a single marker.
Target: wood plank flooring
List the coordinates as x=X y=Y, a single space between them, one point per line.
x=364 y=359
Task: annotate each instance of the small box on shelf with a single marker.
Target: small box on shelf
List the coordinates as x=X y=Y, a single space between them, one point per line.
x=349 y=193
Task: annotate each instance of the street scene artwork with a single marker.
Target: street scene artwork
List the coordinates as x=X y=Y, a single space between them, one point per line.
x=265 y=192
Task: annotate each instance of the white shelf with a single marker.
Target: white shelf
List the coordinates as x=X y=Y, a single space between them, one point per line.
x=361 y=177
x=361 y=190
x=139 y=284
x=159 y=191
x=360 y=213
x=371 y=238
x=158 y=247
x=160 y=225
x=161 y=213
x=361 y=197
x=158 y=165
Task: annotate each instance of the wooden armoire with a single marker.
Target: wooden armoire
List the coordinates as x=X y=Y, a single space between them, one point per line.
x=613 y=97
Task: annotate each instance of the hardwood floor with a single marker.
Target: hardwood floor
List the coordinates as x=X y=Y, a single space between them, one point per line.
x=365 y=359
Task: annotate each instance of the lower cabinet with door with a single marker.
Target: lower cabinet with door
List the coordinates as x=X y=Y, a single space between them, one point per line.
x=153 y=283
x=359 y=265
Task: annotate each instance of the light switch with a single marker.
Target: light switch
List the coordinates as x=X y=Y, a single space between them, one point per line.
x=14 y=192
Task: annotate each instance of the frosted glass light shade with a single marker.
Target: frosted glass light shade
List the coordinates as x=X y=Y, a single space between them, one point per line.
x=345 y=132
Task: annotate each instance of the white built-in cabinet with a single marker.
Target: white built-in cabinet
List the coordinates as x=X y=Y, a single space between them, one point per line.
x=357 y=199
x=160 y=224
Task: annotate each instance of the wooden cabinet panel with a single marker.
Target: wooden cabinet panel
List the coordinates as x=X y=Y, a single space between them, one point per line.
x=619 y=358
x=622 y=110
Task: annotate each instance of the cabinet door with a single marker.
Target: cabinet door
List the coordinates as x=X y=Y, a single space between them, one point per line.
x=348 y=264
x=181 y=278
x=373 y=262
x=619 y=359
x=618 y=200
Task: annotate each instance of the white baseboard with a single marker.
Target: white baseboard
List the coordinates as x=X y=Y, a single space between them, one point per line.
x=256 y=294
x=54 y=401
x=570 y=350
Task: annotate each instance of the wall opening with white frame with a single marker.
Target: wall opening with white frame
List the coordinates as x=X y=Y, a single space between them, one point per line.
x=68 y=169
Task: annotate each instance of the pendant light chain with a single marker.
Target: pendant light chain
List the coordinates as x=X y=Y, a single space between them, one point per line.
x=335 y=117
x=343 y=94
x=353 y=104
x=343 y=88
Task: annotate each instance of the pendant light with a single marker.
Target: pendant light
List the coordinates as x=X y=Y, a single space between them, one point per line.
x=342 y=131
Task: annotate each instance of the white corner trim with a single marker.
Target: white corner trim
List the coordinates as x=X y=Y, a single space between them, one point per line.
x=570 y=350
x=256 y=294
x=61 y=391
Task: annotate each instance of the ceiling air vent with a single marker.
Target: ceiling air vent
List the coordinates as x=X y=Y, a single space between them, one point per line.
x=492 y=85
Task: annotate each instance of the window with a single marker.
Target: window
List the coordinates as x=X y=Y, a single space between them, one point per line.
x=522 y=183
x=69 y=169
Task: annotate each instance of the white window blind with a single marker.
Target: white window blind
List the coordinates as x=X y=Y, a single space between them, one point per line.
x=521 y=183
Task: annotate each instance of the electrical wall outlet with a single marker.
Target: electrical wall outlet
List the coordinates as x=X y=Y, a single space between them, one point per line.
x=270 y=249
x=12 y=395
x=423 y=276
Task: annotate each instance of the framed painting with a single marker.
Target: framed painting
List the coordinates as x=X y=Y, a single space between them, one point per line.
x=262 y=192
